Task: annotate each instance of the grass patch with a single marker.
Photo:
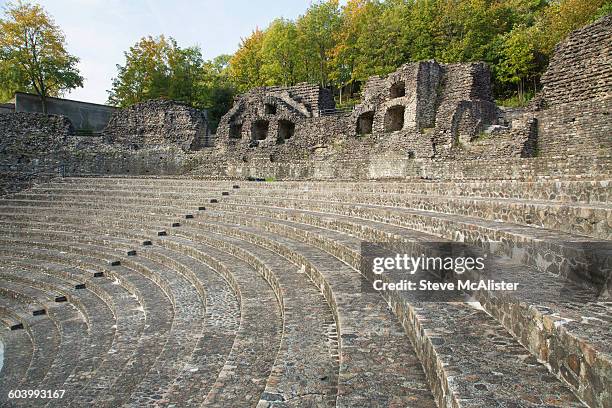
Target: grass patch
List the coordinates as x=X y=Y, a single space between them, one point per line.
x=516 y=101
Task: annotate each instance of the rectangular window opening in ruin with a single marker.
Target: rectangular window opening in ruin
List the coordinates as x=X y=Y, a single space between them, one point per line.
x=286 y=129
x=259 y=130
x=394 y=119
x=398 y=90
x=270 y=109
x=235 y=131
x=365 y=123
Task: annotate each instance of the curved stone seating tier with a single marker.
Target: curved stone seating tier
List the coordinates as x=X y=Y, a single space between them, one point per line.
x=98 y=312
x=567 y=191
x=60 y=335
x=592 y=220
x=70 y=369
x=185 y=323
x=241 y=380
x=42 y=334
x=18 y=350
x=388 y=371
x=169 y=258
x=459 y=356
x=535 y=317
x=547 y=250
x=250 y=293
x=139 y=327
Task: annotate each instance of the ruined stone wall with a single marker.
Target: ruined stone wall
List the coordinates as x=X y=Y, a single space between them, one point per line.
x=30 y=136
x=410 y=112
x=581 y=128
x=158 y=123
x=581 y=66
x=575 y=105
x=313 y=97
x=465 y=107
x=394 y=166
x=277 y=123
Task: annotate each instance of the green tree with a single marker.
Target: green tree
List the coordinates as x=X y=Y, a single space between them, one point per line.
x=33 y=54
x=563 y=16
x=215 y=91
x=280 y=54
x=245 y=65
x=518 y=63
x=317 y=33
x=156 y=68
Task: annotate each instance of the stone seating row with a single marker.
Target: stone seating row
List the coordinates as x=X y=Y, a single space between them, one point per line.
x=291 y=246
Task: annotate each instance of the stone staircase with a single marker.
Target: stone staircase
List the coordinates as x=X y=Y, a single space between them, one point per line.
x=181 y=293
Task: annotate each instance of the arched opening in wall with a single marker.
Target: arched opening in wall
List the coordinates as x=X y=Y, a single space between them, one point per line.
x=398 y=90
x=259 y=129
x=286 y=129
x=364 y=123
x=270 y=109
x=394 y=119
x=235 y=131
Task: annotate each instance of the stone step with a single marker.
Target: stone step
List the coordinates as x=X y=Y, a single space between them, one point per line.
x=539 y=343
x=305 y=371
x=373 y=345
x=394 y=344
x=197 y=375
x=244 y=374
x=206 y=350
x=46 y=331
x=84 y=342
x=97 y=312
x=476 y=352
x=530 y=246
x=195 y=181
x=240 y=384
x=568 y=334
x=18 y=350
x=85 y=223
x=140 y=330
x=567 y=191
x=513 y=237
x=187 y=308
x=594 y=220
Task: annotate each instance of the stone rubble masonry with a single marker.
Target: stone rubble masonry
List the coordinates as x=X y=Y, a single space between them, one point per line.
x=159 y=123
x=426 y=119
x=581 y=66
x=575 y=103
x=422 y=110
x=428 y=110
x=395 y=167
x=25 y=136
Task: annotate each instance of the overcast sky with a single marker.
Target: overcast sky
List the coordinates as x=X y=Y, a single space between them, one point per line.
x=99 y=31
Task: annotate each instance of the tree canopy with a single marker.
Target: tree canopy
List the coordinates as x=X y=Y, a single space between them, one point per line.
x=33 y=55
x=339 y=45
x=160 y=68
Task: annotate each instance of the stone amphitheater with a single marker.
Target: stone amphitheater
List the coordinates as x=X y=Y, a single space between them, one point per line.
x=168 y=268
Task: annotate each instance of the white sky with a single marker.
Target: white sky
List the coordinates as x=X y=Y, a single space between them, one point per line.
x=99 y=31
